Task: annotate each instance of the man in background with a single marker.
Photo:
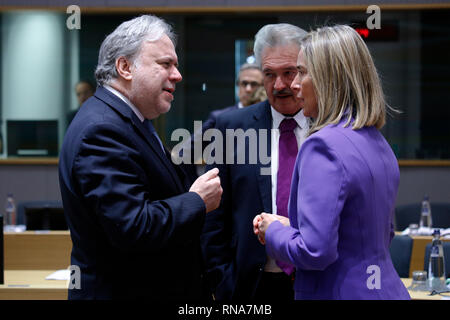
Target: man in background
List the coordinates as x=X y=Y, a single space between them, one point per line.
x=249 y=80
x=83 y=90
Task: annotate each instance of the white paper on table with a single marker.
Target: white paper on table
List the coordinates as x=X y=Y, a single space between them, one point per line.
x=445 y=233
x=59 y=275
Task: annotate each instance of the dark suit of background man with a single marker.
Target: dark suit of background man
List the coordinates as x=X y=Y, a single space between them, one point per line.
x=238 y=267
x=250 y=78
x=135 y=229
x=83 y=90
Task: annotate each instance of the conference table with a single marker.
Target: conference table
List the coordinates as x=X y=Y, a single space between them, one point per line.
x=50 y=250
x=423 y=295
x=32 y=285
x=37 y=250
x=418 y=251
x=31 y=256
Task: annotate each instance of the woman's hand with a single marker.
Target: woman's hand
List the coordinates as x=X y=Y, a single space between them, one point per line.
x=262 y=221
x=256 y=222
x=284 y=220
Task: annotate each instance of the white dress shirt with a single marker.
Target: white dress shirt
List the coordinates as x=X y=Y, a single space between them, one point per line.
x=125 y=99
x=300 y=133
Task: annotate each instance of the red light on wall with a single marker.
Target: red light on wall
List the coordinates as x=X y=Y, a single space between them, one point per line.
x=388 y=31
x=363 y=32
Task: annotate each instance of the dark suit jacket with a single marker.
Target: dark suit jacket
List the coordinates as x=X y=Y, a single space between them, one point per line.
x=70 y=115
x=135 y=229
x=212 y=118
x=191 y=168
x=234 y=257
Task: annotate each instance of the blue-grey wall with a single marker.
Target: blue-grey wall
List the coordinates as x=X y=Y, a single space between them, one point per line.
x=40 y=182
x=39 y=64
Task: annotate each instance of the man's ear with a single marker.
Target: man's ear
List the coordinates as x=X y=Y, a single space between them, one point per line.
x=123 y=67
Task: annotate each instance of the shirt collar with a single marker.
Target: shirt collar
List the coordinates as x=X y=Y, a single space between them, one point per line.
x=277 y=117
x=128 y=102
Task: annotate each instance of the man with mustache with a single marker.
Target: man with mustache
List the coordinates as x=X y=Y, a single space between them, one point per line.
x=249 y=80
x=237 y=265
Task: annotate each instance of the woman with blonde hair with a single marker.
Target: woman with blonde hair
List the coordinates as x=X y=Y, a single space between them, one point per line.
x=345 y=178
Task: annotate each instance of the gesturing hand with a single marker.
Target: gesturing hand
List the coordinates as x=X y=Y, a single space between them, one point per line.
x=208 y=187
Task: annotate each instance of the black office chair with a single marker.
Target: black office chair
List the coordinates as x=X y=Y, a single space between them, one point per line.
x=42 y=215
x=410 y=213
x=401 y=250
x=446 y=246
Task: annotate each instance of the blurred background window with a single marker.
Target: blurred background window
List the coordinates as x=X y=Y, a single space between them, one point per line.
x=42 y=60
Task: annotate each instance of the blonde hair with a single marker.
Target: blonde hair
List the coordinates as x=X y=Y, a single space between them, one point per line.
x=345 y=79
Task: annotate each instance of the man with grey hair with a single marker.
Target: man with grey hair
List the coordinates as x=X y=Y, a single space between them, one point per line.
x=131 y=214
x=237 y=264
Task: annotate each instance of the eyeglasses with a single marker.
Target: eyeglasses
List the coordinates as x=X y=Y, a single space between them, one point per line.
x=252 y=84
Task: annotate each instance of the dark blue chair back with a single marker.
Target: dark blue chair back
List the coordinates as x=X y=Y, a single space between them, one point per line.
x=41 y=215
x=401 y=250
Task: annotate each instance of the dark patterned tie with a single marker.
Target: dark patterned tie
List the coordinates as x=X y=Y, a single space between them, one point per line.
x=148 y=124
x=287 y=153
x=184 y=181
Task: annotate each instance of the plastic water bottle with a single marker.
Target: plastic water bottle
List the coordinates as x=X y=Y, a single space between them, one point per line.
x=436 y=265
x=425 y=217
x=10 y=210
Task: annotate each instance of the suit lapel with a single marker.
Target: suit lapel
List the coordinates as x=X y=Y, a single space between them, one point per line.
x=154 y=144
x=120 y=106
x=263 y=120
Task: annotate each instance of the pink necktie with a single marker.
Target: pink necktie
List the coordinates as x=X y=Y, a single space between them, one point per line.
x=287 y=153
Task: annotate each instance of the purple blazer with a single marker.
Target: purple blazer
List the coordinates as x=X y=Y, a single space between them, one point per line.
x=341 y=209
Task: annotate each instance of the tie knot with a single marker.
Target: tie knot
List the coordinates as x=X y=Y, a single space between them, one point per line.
x=288 y=125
